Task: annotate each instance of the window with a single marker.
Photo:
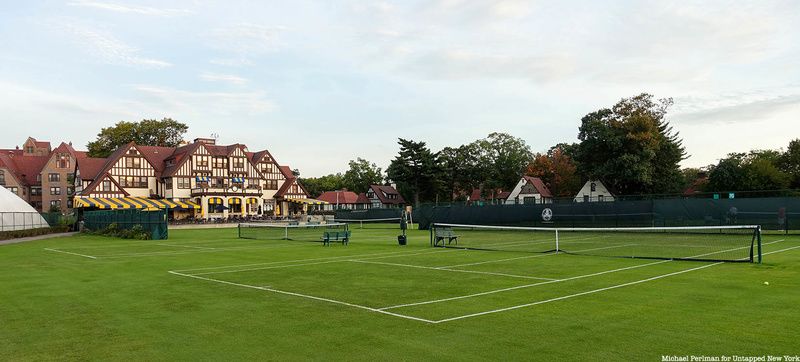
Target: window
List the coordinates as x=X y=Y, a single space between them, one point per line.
x=70 y=190
x=267 y=167
x=133 y=151
x=70 y=203
x=36 y=191
x=184 y=183
x=593 y=186
x=55 y=204
x=106 y=186
x=585 y=198
x=138 y=182
x=238 y=162
x=2 y=178
x=55 y=190
x=63 y=161
x=219 y=182
x=202 y=161
x=133 y=162
x=29 y=149
x=54 y=177
x=12 y=189
x=600 y=198
x=271 y=185
x=220 y=162
x=39 y=178
x=70 y=178
x=168 y=183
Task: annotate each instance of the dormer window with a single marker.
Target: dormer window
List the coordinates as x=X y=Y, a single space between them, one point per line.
x=133 y=151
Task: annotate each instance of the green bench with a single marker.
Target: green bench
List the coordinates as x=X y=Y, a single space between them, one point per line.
x=442 y=234
x=341 y=236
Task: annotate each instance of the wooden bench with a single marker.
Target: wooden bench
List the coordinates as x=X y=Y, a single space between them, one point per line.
x=341 y=236
x=442 y=234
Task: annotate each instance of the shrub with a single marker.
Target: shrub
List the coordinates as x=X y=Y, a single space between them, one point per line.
x=113 y=230
x=16 y=234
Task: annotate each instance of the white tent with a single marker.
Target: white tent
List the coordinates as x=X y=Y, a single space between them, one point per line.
x=16 y=214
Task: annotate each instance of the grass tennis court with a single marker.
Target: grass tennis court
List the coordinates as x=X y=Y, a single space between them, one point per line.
x=207 y=294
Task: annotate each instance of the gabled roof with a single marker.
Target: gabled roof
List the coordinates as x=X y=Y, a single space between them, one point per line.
x=343 y=197
x=156 y=155
x=539 y=185
x=40 y=144
x=90 y=166
x=286 y=171
x=363 y=199
x=179 y=157
x=382 y=191
x=110 y=161
x=67 y=148
x=26 y=169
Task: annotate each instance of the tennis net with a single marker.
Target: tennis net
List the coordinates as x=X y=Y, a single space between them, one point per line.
x=383 y=223
x=705 y=243
x=301 y=232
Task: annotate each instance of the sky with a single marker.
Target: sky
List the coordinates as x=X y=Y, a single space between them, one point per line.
x=319 y=83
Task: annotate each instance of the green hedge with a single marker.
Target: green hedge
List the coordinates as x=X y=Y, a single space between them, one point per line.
x=16 y=234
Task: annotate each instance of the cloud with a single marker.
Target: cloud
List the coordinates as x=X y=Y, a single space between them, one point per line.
x=228 y=78
x=143 y=10
x=459 y=64
x=107 y=48
x=743 y=107
x=232 y=62
x=246 y=39
x=202 y=104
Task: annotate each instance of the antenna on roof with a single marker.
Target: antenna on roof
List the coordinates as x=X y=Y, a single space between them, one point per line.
x=215 y=136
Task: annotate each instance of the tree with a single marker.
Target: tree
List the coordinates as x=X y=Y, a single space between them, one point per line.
x=361 y=175
x=149 y=132
x=754 y=171
x=415 y=171
x=631 y=147
x=557 y=171
x=317 y=185
x=462 y=170
x=789 y=163
x=505 y=156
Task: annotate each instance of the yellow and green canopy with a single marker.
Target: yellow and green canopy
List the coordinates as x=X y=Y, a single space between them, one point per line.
x=307 y=201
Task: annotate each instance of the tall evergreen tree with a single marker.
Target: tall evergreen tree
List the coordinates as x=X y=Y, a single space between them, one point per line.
x=415 y=171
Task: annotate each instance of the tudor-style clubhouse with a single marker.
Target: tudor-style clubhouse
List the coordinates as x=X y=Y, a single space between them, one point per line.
x=200 y=179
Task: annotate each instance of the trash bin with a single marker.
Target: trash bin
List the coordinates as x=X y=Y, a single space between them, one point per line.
x=401 y=239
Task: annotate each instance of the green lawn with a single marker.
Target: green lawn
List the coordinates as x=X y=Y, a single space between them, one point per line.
x=207 y=295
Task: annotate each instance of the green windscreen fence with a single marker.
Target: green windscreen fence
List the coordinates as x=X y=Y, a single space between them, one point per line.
x=152 y=222
x=369 y=214
x=772 y=214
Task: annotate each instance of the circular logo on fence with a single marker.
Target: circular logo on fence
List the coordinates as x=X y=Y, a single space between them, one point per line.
x=547 y=214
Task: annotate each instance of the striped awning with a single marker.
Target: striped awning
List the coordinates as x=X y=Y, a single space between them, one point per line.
x=252 y=200
x=133 y=203
x=307 y=201
x=237 y=180
x=234 y=201
x=202 y=179
x=215 y=200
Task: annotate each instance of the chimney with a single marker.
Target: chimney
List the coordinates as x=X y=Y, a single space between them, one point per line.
x=207 y=141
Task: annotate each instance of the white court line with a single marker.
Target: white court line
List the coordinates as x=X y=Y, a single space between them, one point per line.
x=451 y=270
x=522 y=286
x=297 y=260
x=187 y=246
x=217 y=250
x=555 y=281
x=303 y=296
x=528 y=257
x=576 y=294
x=306 y=264
x=67 y=252
x=775 y=251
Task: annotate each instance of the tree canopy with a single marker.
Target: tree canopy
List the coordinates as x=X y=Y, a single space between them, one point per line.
x=557 y=170
x=361 y=175
x=149 y=132
x=632 y=147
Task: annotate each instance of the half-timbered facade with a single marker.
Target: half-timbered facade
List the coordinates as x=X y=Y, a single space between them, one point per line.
x=223 y=180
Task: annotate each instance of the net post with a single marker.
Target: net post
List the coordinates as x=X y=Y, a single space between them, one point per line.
x=758 y=232
x=557 y=241
x=239 y=229
x=430 y=230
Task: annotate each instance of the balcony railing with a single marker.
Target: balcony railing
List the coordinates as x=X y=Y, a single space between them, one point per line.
x=226 y=191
